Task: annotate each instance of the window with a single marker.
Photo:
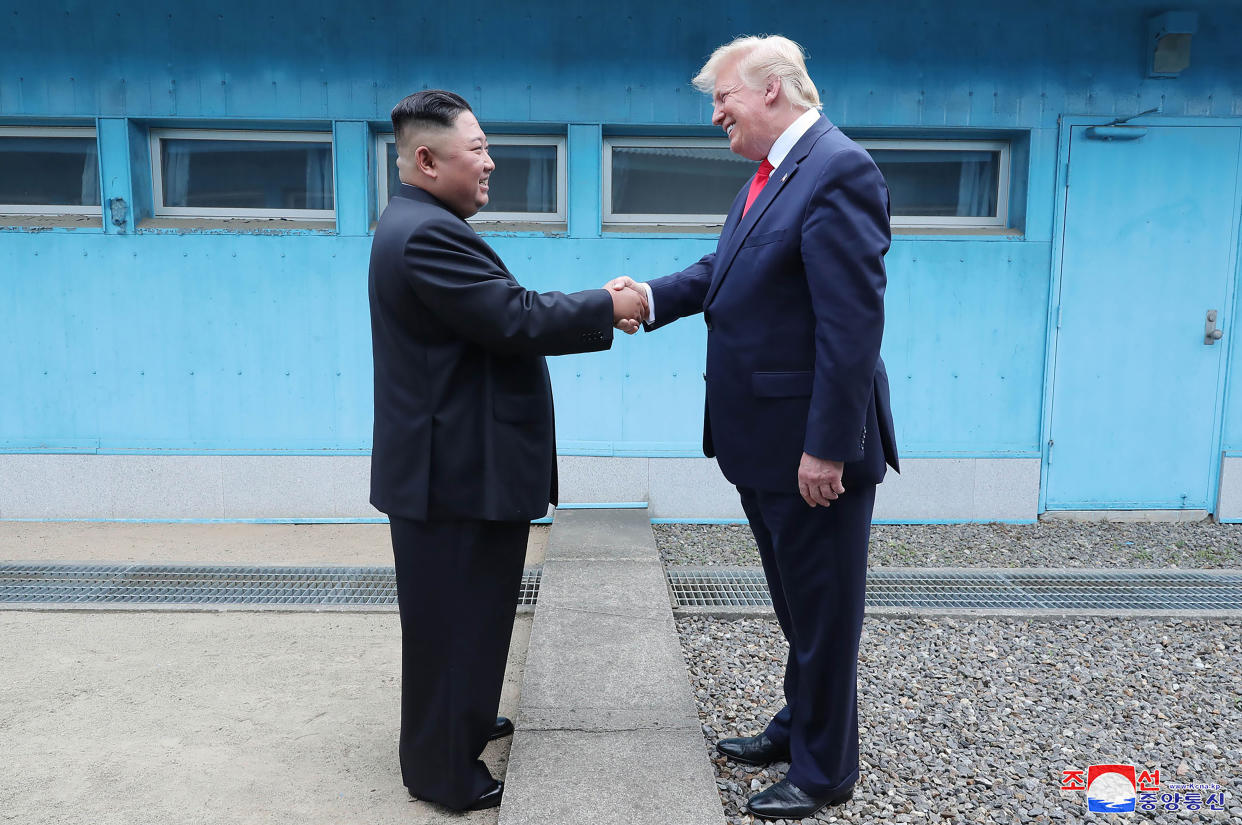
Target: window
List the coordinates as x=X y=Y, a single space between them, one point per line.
x=932 y=183
x=527 y=185
x=680 y=181
x=52 y=171
x=945 y=183
x=221 y=174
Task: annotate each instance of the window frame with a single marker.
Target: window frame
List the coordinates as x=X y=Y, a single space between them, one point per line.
x=384 y=139
x=17 y=209
x=1000 y=220
x=631 y=219
x=159 y=210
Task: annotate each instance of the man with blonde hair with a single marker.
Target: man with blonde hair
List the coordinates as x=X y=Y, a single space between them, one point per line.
x=797 y=410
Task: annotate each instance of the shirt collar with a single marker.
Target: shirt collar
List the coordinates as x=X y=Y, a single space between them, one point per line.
x=776 y=155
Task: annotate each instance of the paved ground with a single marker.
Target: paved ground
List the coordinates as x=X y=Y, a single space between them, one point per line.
x=299 y=544
x=248 y=718
x=234 y=718
x=220 y=718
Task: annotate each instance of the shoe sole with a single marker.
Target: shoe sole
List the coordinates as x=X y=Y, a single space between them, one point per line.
x=754 y=762
x=494 y=802
x=501 y=735
x=841 y=800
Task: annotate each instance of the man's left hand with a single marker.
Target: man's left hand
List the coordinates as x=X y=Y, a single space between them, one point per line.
x=819 y=480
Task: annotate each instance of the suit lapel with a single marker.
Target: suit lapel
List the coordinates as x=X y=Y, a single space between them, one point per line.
x=425 y=197
x=743 y=224
x=731 y=220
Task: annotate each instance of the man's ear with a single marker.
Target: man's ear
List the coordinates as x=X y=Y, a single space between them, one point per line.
x=425 y=162
x=772 y=90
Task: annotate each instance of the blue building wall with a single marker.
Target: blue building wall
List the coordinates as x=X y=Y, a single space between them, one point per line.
x=136 y=339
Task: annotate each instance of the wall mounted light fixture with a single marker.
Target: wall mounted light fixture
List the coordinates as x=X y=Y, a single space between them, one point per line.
x=1168 y=42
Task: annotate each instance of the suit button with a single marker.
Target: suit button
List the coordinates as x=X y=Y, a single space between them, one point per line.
x=704 y=376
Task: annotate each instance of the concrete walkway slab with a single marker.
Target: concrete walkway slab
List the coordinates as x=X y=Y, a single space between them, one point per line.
x=598 y=535
x=147 y=718
x=636 y=589
x=607 y=728
x=637 y=777
x=602 y=672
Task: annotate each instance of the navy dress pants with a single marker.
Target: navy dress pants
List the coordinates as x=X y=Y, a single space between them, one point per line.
x=815 y=561
x=458 y=584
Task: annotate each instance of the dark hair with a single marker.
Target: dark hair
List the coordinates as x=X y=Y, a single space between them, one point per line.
x=433 y=108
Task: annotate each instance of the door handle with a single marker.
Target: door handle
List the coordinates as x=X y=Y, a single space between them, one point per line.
x=1210 y=333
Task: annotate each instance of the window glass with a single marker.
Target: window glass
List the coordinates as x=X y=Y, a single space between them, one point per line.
x=940 y=183
x=47 y=172
x=524 y=179
x=523 y=184
x=651 y=182
x=276 y=175
x=394 y=180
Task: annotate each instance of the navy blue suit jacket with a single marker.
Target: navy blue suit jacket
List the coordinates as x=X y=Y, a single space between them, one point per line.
x=793 y=299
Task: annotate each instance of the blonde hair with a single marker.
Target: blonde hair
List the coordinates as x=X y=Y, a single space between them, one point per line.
x=759 y=58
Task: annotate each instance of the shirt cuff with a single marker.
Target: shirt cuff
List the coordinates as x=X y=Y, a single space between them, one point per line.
x=650 y=319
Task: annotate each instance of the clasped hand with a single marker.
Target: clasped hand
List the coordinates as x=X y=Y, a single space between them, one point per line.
x=819 y=480
x=629 y=304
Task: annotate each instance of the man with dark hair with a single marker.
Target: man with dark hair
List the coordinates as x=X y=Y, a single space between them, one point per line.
x=464 y=454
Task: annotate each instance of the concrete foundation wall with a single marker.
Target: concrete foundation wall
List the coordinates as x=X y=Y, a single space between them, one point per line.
x=1229 y=506
x=245 y=487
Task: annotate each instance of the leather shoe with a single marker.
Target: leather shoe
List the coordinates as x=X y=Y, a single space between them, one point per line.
x=753 y=750
x=502 y=728
x=488 y=799
x=785 y=800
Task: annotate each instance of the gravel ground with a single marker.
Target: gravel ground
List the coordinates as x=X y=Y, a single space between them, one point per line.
x=1046 y=544
x=973 y=720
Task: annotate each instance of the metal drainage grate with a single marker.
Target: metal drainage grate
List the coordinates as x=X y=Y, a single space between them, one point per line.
x=530 y=587
x=172 y=584
x=719 y=588
x=1017 y=590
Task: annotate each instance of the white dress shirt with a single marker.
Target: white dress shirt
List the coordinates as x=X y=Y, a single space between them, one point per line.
x=776 y=155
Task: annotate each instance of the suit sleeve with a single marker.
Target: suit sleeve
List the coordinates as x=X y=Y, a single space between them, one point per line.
x=480 y=302
x=682 y=293
x=845 y=234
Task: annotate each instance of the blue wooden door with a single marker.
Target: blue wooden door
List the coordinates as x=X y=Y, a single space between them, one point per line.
x=1149 y=228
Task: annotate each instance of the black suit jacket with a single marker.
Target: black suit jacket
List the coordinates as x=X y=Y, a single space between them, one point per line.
x=463 y=403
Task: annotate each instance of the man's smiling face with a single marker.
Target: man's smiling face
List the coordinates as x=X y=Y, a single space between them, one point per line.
x=464 y=166
x=743 y=113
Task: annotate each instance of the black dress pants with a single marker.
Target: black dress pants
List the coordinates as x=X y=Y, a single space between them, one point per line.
x=457 y=588
x=815 y=561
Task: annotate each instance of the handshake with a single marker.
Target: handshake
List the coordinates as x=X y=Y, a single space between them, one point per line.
x=629 y=303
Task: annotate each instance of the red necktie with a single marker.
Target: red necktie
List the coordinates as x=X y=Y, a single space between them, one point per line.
x=760 y=179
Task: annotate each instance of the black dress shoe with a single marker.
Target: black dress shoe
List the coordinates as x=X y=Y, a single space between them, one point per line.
x=753 y=750
x=488 y=799
x=785 y=800
x=502 y=729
